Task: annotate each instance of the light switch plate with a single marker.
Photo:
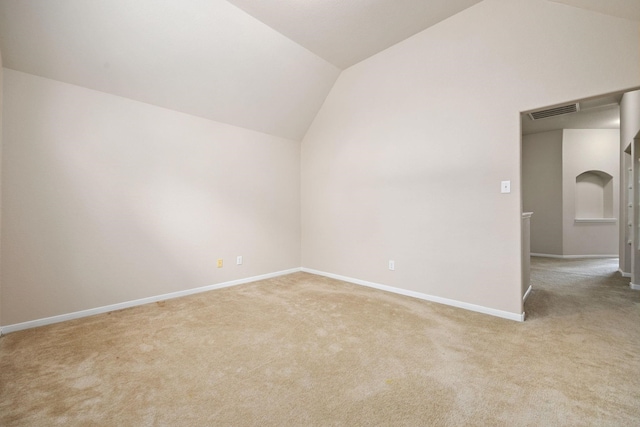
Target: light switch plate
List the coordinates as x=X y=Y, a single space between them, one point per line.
x=505 y=187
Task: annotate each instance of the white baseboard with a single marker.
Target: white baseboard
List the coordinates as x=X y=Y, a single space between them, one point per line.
x=546 y=255
x=572 y=256
x=119 y=306
x=526 y=294
x=419 y=295
x=634 y=286
x=623 y=274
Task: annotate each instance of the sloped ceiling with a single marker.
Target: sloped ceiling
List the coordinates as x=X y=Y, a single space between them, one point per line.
x=261 y=65
x=202 y=57
x=209 y=58
x=628 y=9
x=345 y=32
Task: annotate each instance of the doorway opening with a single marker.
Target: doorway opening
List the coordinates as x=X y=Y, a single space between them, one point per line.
x=575 y=179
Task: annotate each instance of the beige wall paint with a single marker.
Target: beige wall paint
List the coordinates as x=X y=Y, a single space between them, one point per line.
x=108 y=200
x=584 y=150
x=550 y=163
x=405 y=158
x=542 y=190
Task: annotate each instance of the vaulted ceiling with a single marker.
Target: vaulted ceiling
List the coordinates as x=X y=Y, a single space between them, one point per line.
x=202 y=57
x=346 y=32
x=627 y=9
x=262 y=65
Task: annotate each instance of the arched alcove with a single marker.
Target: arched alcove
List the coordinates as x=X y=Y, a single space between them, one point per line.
x=594 y=195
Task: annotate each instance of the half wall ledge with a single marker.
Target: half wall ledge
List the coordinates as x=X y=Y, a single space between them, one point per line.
x=595 y=220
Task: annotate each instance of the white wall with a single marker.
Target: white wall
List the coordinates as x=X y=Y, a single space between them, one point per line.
x=108 y=200
x=405 y=158
x=542 y=189
x=586 y=150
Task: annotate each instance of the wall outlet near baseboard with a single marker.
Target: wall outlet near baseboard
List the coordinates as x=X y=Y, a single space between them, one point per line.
x=392 y=265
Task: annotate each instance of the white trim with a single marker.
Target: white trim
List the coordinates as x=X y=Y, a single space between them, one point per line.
x=547 y=255
x=526 y=294
x=119 y=306
x=623 y=274
x=595 y=220
x=572 y=256
x=419 y=295
x=634 y=286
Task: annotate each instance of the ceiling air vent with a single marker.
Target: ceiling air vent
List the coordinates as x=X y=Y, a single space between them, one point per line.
x=557 y=111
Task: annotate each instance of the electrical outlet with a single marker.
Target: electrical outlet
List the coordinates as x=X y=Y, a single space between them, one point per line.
x=392 y=265
x=239 y=260
x=220 y=263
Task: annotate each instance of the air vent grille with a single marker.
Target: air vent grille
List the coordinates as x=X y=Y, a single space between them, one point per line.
x=557 y=111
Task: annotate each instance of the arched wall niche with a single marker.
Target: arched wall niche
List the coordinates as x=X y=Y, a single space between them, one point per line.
x=594 y=195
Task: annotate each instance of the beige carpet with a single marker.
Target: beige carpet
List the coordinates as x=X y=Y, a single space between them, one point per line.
x=306 y=350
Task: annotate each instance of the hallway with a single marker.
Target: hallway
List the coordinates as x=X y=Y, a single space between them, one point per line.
x=582 y=287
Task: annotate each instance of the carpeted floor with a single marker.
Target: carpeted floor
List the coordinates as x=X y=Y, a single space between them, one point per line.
x=307 y=350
